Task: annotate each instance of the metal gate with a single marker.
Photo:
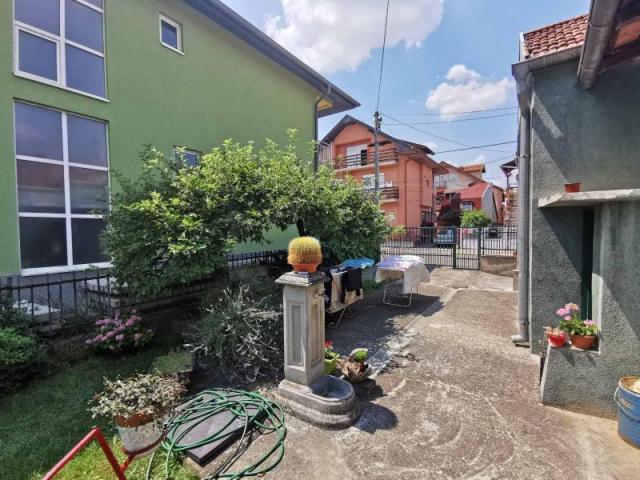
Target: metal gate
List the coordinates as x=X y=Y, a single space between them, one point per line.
x=455 y=247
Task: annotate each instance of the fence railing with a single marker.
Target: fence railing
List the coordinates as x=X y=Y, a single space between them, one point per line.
x=386 y=193
x=362 y=159
x=57 y=302
x=455 y=247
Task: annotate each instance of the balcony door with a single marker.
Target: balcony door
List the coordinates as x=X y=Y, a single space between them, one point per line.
x=357 y=154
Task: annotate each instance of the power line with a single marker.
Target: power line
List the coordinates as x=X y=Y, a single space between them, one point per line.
x=478 y=147
x=457 y=121
x=384 y=45
x=458 y=113
x=441 y=137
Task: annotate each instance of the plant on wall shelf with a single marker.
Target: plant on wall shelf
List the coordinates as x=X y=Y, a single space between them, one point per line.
x=555 y=336
x=583 y=333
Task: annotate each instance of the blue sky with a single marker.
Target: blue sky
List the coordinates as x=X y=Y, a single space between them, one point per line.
x=342 y=39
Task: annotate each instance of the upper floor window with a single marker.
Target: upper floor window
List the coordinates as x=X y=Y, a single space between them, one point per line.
x=188 y=156
x=61 y=42
x=63 y=178
x=170 y=34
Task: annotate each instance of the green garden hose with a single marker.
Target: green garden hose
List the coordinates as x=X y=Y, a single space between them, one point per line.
x=252 y=409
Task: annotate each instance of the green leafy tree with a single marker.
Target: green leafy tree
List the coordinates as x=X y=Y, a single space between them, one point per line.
x=175 y=223
x=475 y=218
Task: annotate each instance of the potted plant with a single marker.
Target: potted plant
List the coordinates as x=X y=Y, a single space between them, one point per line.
x=305 y=254
x=555 y=336
x=331 y=358
x=354 y=367
x=583 y=333
x=138 y=406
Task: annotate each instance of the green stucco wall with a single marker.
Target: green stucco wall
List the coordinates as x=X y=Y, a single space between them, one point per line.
x=220 y=88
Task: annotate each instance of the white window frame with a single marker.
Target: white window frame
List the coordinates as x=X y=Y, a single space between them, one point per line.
x=178 y=27
x=185 y=150
x=360 y=147
x=372 y=177
x=61 y=42
x=67 y=215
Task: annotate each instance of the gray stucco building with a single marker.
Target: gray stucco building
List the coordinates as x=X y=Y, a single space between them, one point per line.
x=579 y=92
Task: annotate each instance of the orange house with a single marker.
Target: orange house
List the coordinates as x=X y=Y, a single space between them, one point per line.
x=407 y=171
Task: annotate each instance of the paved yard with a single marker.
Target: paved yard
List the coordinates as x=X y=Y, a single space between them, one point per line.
x=460 y=401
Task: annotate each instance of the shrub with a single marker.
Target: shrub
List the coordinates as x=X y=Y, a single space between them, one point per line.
x=144 y=394
x=116 y=334
x=175 y=224
x=20 y=355
x=10 y=316
x=242 y=334
x=474 y=219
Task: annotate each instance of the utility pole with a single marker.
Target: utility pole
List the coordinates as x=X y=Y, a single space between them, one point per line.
x=376 y=154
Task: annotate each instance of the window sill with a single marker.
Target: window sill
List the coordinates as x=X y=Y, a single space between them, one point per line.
x=31 y=272
x=173 y=49
x=44 y=81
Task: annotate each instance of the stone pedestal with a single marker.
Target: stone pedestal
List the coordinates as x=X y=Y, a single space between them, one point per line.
x=322 y=400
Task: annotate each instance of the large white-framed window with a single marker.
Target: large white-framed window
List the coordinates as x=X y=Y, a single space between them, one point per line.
x=369 y=181
x=61 y=43
x=171 y=34
x=62 y=165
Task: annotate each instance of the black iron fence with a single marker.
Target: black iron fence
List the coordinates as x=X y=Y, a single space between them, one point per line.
x=455 y=247
x=59 y=302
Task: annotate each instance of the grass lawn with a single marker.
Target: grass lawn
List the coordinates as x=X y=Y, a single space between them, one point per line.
x=41 y=422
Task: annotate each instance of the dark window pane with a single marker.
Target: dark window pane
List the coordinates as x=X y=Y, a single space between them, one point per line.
x=86 y=240
x=85 y=71
x=43 y=242
x=40 y=187
x=42 y=14
x=38 y=132
x=84 y=25
x=169 y=34
x=38 y=56
x=88 y=190
x=191 y=158
x=87 y=141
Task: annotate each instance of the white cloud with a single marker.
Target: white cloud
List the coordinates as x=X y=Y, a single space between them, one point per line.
x=332 y=35
x=467 y=90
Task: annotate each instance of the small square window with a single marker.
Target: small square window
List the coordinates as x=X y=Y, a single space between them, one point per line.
x=170 y=34
x=188 y=156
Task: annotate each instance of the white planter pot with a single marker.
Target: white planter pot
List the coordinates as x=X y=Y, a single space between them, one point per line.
x=136 y=439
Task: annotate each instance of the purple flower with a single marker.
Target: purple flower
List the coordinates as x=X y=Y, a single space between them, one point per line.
x=110 y=334
x=120 y=328
x=120 y=338
x=561 y=312
x=131 y=322
x=99 y=322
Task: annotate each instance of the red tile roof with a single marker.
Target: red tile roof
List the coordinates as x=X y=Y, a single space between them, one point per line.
x=554 y=38
x=475 y=190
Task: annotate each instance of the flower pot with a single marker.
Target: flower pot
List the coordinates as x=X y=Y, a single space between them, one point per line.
x=583 y=342
x=557 y=340
x=330 y=365
x=305 y=267
x=140 y=433
x=572 y=187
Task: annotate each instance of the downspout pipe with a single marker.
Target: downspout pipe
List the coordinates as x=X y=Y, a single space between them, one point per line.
x=602 y=20
x=316 y=157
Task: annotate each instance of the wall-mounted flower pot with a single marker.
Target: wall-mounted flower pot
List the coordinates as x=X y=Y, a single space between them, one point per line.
x=572 y=187
x=583 y=342
x=557 y=340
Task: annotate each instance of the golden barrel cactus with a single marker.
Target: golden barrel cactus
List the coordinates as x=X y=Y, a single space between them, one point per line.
x=305 y=254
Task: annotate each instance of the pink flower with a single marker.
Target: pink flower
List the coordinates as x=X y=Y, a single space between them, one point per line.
x=561 y=312
x=120 y=338
x=589 y=322
x=572 y=307
x=100 y=322
x=120 y=328
x=131 y=322
x=110 y=334
x=98 y=338
x=568 y=317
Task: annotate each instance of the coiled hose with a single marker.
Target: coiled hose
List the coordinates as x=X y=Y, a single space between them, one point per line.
x=252 y=409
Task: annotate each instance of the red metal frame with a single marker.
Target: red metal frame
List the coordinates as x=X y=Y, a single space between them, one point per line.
x=96 y=435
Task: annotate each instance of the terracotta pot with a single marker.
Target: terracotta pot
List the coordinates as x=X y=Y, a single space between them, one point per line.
x=557 y=340
x=134 y=420
x=583 y=342
x=305 y=267
x=572 y=187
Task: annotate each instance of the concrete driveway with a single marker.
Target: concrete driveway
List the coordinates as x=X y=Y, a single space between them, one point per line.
x=459 y=401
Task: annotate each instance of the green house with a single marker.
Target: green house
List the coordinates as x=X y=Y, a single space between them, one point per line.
x=85 y=84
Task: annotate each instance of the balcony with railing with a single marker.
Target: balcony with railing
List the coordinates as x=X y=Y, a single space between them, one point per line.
x=389 y=193
x=364 y=158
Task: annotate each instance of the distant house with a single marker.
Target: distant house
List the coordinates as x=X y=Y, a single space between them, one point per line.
x=475 y=193
x=577 y=84
x=406 y=169
x=510 y=170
